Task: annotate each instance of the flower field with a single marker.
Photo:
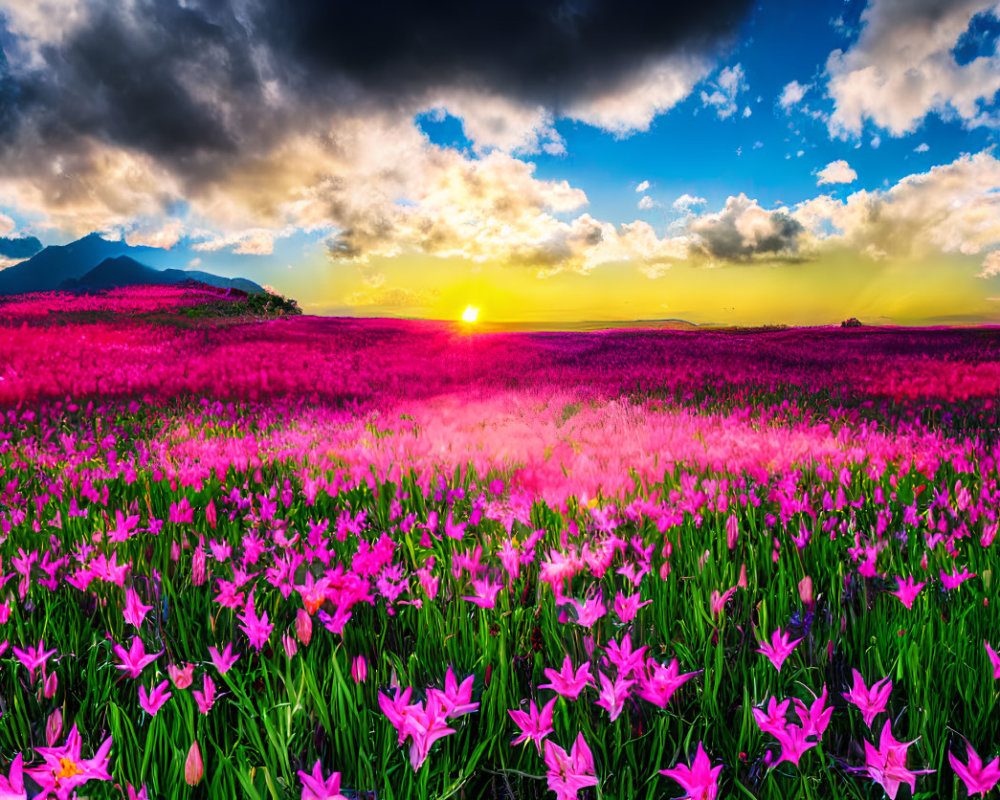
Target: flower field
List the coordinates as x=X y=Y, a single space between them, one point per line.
x=338 y=558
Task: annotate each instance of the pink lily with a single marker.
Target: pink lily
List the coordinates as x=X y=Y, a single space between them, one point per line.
x=12 y=786
x=256 y=628
x=588 y=612
x=977 y=778
x=700 y=780
x=794 y=741
x=627 y=606
x=397 y=711
x=613 y=695
x=134 y=660
x=314 y=787
x=486 y=593
x=566 y=682
x=153 y=701
x=627 y=660
x=870 y=701
x=887 y=765
x=815 y=718
x=569 y=772
x=994 y=660
x=774 y=719
x=658 y=682
x=206 y=697
x=426 y=726
x=778 y=649
x=223 y=661
x=956 y=579
x=907 y=591
x=65 y=769
x=456 y=699
x=181 y=676
x=135 y=612
x=534 y=725
x=33 y=658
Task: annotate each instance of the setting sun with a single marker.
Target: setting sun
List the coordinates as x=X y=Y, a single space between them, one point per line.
x=471 y=314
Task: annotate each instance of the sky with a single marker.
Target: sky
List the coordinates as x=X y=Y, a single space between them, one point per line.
x=545 y=160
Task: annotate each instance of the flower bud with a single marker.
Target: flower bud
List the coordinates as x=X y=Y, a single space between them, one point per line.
x=53 y=727
x=359 y=669
x=194 y=769
x=303 y=626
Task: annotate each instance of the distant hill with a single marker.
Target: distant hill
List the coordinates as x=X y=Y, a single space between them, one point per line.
x=126 y=271
x=71 y=266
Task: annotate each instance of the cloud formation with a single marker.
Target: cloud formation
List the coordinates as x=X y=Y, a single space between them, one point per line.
x=742 y=229
x=836 y=172
x=903 y=67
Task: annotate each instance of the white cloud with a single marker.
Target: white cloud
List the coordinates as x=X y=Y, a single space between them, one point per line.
x=633 y=104
x=902 y=68
x=836 y=172
x=991 y=267
x=951 y=208
x=646 y=202
x=687 y=201
x=642 y=187
x=792 y=94
x=725 y=91
x=6 y=224
x=923 y=147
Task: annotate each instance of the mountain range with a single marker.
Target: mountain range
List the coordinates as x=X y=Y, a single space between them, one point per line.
x=94 y=263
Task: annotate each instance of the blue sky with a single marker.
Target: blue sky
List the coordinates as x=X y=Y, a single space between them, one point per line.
x=832 y=157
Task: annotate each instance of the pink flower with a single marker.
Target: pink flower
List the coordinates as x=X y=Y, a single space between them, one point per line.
x=816 y=717
x=134 y=660
x=794 y=741
x=486 y=593
x=887 y=765
x=658 y=682
x=907 y=591
x=206 y=697
x=153 y=701
x=870 y=701
x=359 y=669
x=224 y=661
x=456 y=699
x=566 y=682
x=135 y=612
x=181 y=677
x=314 y=787
x=33 y=658
x=627 y=606
x=256 y=628
x=956 y=579
x=977 y=777
x=12 y=786
x=717 y=602
x=569 y=772
x=774 y=719
x=588 y=612
x=779 y=648
x=700 y=780
x=65 y=769
x=534 y=725
x=994 y=660
x=627 y=660
x=426 y=726
x=612 y=696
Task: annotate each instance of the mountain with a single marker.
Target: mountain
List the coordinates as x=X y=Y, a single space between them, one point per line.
x=63 y=266
x=126 y=271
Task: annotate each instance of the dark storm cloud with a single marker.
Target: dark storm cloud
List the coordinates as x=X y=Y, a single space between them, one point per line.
x=187 y=85
x=23 y=247
x=552 y=51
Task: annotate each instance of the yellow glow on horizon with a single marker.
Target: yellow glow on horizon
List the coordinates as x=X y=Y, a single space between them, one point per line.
x=470 y=315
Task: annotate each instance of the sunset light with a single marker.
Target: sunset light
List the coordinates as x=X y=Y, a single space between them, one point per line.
x=470 y=315
x=410 y=399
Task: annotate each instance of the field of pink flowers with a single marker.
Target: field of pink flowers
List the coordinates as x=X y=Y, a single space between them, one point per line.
x=340 y=558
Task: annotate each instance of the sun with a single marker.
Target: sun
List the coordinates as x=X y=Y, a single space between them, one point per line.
x=471 y=314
